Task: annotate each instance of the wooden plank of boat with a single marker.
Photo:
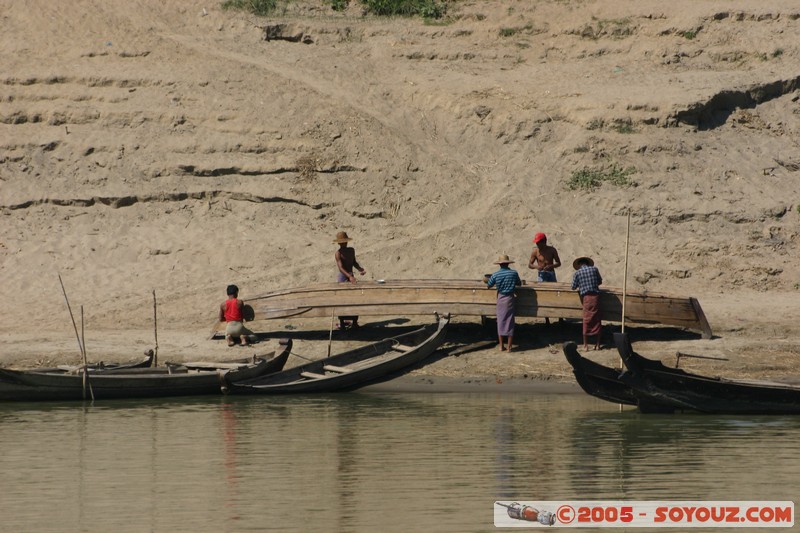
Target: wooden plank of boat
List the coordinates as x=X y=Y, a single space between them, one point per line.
x=338 y=369
x=222 y=365
x=164 y=381
x=652 y=381
x=470 y=298
x=351 y=369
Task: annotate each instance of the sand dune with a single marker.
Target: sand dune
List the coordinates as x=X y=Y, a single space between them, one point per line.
x=174 y=147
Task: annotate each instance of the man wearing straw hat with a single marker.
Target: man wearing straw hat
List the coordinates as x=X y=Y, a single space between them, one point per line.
x=506 y=280
x=587 y=281
x=346 y=262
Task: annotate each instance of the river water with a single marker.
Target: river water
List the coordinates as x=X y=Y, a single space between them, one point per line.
x=364 y=462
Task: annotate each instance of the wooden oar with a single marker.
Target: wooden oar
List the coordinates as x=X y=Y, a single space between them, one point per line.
x=481 y=345
x=215 y=329
x=80 y=344
x=678 y=356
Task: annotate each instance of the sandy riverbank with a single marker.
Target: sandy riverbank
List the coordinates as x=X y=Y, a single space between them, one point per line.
x=171 y=147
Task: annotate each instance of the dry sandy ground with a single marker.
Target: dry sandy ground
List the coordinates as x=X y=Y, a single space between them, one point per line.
x=171 y=147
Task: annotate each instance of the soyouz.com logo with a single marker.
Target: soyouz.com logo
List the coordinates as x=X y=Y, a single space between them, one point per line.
x=680 y=514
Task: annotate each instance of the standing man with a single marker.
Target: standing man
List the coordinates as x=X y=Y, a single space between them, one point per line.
x=544 y=258
x=231 y=311
x=346 y=261
x=506 y=280
x=587 y=281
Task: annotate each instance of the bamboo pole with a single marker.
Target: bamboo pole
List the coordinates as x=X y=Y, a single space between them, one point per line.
x=330 y=333
x=64 y=292
x=625 y=272
x=85 y=362
x=83 y=353
x=80 y=344
x=625 y=283
x=155 y=328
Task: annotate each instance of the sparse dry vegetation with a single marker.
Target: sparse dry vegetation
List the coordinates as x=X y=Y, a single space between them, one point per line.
x=589 y=179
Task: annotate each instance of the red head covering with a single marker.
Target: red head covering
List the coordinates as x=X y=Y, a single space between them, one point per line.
x=539 y=237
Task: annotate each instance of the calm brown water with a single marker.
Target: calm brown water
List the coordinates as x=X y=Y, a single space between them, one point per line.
x=367 y=462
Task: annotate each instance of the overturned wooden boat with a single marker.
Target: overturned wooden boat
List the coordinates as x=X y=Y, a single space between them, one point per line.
x=353 y=369
x=155 y=382
x=656 y=384
x=468 y=298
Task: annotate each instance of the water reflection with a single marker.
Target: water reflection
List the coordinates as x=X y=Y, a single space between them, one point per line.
x=367 y=462
x=685 y=456
x=504 y=451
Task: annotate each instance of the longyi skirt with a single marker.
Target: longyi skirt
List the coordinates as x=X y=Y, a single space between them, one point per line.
x=505 y=315
x=591 y=314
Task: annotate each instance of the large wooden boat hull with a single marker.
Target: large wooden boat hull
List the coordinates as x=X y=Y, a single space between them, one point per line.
x=157 y=382
x=353 y=369
x=470 y=298
x=652 y=382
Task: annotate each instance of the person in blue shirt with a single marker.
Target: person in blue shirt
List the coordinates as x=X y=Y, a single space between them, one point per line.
x=506 y=280
x=587 y=280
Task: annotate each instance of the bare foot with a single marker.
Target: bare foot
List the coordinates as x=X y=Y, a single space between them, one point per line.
x=508 y=349
x=586 y=347
x=501 y=347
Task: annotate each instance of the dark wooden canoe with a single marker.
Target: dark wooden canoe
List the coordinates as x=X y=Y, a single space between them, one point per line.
x=598 y=380
x=468 y=298
x=606 y=383
x=352 y=369
x=653 y=382
x=153 y=382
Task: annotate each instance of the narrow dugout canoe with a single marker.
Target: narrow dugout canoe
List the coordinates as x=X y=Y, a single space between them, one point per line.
x=655 y=384
x=352 y=369
x=469 y=298
x=608 y=383
x=154 y=382
x=598 y=380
